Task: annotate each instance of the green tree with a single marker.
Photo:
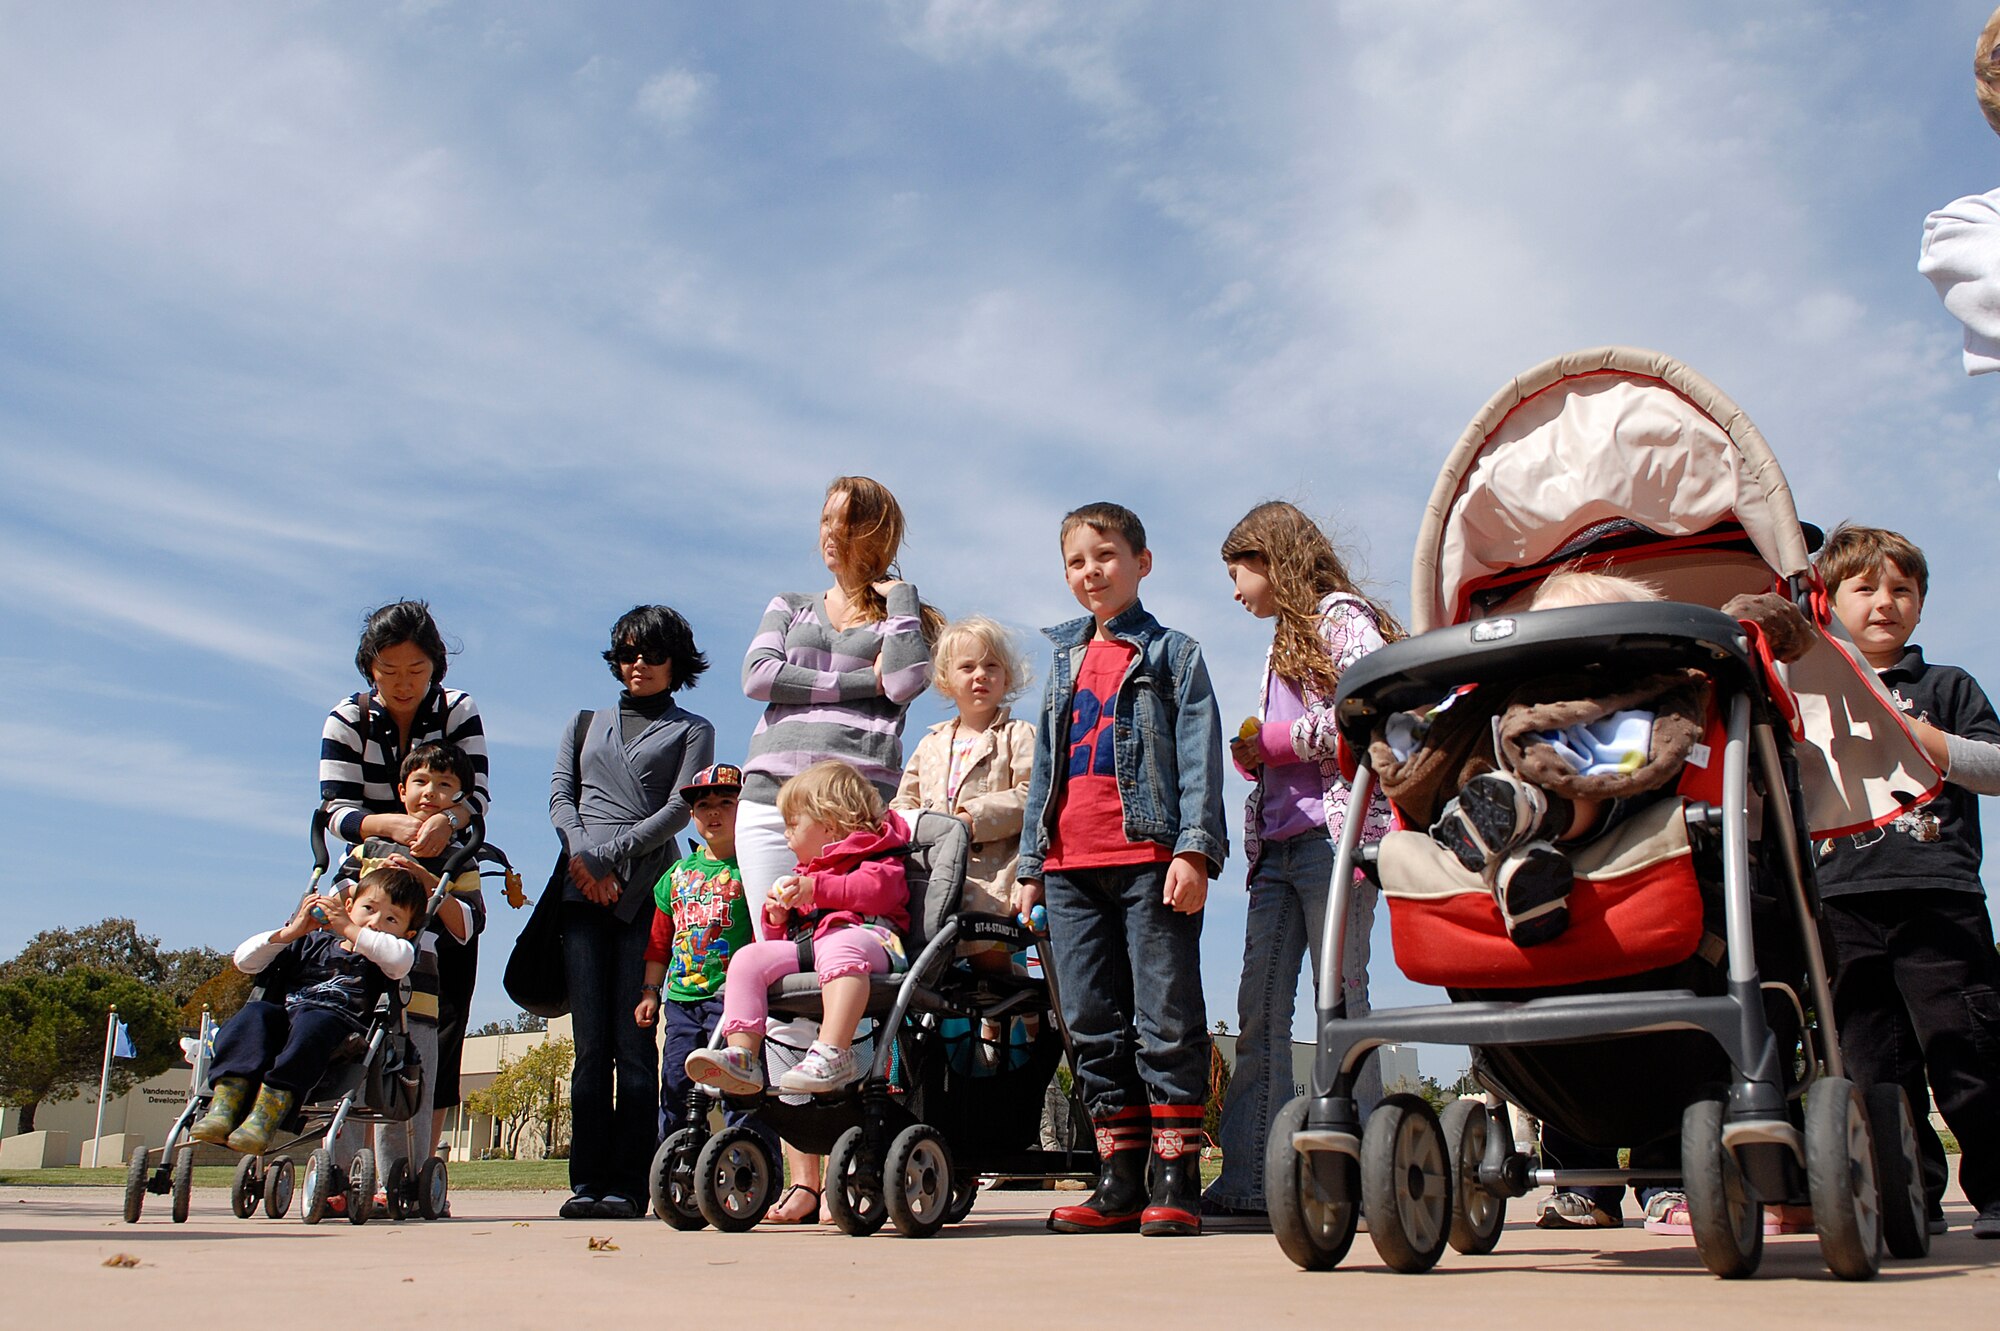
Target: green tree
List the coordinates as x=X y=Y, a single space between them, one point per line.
x=223 y=995
x=52 y=1035
x=116 y=945
x=530 y=1090
x=523 y=1023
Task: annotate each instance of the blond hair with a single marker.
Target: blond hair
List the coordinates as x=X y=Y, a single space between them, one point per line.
x=1304 y=570
x=833 y=794
x=976 y=635
x=1572 y=587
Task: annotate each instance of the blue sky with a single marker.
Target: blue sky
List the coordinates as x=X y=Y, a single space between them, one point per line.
x=540 y=311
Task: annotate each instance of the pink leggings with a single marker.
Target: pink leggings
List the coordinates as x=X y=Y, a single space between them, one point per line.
x=746 y=999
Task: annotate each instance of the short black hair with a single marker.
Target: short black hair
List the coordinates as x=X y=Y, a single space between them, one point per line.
x=395 y=624
x=438 y=756
x=1108 y=518
x=660 y=631
x=403 y=887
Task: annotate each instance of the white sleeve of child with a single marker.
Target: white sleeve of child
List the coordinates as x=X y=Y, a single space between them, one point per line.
x=394 y=956
x=1975 y=764
x=254 y=953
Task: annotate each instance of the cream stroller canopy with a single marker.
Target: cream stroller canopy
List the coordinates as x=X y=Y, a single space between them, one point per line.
x=1623 y=455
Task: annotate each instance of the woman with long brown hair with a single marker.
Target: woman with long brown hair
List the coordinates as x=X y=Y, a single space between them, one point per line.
x=1285 y=569
x=837 y=671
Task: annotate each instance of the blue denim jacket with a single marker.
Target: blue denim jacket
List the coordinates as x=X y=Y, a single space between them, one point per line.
x=1167 y=741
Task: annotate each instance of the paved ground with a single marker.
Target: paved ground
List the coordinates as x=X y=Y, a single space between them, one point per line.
x=505 y=1262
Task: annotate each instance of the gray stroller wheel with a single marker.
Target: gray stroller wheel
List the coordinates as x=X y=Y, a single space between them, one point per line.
x=319 y=1186
x=183 y=1182
x=735 y=1180
x=433 y=1188
x=1314 y=1201
x=361 y=1187
x=1477 y=1215
x=671 y=1186
x=1841 y=1174
x=135 y=1186
x=1724 y=1213
x=964 y=1195
x=916 y=1181
x=244 y=1187
x=1406 y=1183
x=853 y=1186
x=1900 y=1171
x=278 y=1189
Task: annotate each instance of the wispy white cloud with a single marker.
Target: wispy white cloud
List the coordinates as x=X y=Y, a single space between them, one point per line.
x=107 y=770
x=674 y=98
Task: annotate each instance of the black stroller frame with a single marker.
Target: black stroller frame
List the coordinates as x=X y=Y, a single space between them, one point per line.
x=892 y=1153
x=379 y=1082
x=1425 y=1181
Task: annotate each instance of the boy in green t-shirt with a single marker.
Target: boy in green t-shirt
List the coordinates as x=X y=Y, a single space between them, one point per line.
x=703 y=918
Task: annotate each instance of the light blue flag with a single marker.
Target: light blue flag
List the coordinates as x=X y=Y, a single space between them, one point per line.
x=121 y=1043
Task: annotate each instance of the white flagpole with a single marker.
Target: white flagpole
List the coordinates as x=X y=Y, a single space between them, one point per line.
x=103 y=1083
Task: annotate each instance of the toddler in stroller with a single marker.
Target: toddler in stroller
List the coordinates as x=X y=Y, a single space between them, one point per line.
x=1671 y=1004
x=909 y=1134
x=328 y=965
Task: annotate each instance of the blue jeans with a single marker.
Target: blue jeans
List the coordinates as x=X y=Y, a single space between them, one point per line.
x=1289 y=891
x=1129 y=968
x=612 y=1135
x=287 y=1049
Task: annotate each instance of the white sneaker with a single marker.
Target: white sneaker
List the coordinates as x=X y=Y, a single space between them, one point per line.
x=730 y=1070
x=824 y=1068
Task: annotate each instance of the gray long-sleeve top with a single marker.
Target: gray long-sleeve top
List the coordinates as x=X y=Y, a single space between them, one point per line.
x=618 y=804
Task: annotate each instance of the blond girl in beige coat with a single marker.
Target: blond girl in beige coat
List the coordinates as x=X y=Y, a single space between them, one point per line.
x=975 y=766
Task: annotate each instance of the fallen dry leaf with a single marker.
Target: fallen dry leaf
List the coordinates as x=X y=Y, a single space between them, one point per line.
x=603 y=1245
x=121 y=1259
x=520 y=1224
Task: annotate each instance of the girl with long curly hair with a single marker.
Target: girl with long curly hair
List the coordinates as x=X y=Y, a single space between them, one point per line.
x=1285 y=569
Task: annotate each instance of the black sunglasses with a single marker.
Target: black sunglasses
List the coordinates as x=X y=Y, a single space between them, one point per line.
x=626 y=655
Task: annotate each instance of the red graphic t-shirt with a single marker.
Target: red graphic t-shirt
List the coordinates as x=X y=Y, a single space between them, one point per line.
x=1090 y=818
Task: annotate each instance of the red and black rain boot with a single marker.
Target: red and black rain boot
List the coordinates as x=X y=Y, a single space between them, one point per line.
x=1121 y=1179
x=1175 y=1204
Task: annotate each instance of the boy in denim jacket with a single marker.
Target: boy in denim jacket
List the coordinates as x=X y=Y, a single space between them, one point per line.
x=1123 y=831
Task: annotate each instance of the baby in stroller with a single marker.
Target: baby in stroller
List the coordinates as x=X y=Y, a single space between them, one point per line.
x=842 y=915
x=327 y=967
x=1575 y=757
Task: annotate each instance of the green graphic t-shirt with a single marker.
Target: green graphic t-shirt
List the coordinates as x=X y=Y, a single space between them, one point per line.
x=711 y=916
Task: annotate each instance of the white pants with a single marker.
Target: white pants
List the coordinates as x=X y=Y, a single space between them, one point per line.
x=761 y=855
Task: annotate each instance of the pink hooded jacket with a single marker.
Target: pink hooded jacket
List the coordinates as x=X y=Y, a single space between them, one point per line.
x=860 y=879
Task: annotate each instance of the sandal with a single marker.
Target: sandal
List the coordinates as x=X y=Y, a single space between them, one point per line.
x=811 y=1218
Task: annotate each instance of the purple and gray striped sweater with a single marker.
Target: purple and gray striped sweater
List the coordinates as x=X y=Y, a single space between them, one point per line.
x=823 y=697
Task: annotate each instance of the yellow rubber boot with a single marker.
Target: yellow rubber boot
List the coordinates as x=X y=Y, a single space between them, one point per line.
x=265 y=1116
x=229 y=1100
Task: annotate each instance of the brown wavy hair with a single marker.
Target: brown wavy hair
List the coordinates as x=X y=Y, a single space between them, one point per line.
x=871 y=535
x=1303 y=568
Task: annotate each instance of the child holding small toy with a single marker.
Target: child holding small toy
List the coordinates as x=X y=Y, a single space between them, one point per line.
x=843 y=912
x=328 y=965
x=1285 y=569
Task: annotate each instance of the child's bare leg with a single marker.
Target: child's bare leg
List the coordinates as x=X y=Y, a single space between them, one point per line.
x=842 y=999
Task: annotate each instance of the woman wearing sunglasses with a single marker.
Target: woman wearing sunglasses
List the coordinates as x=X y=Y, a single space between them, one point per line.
x=614 y=799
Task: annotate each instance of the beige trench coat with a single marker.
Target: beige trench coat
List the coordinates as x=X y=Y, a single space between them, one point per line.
x=993 y=792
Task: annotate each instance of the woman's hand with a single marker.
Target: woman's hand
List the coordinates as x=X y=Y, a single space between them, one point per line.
x=888 y=585
x=648 y=1009
x=415 y=870
x=432 y=836
x=603 y=891
x=403 y=827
